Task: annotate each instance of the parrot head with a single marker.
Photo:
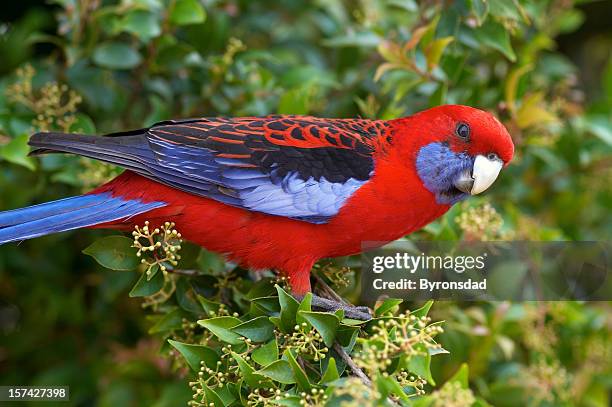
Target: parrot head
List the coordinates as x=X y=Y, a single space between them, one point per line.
x=458 y=150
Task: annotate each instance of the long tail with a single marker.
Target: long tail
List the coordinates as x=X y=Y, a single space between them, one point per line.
x=68 y=214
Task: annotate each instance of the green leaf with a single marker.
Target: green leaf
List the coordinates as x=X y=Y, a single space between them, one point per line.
x=360 y=39
x=83 y=124
x=145 y=287
x=387 y=305
x=277 y=322
x=142 y=23
x=347 y=335
x=227 y=393
x=252 y=378
x=116 y=55
x=16 y=152
x=19 y=126
x=296 y=101
x=570 y=20
x=299 y=374
x=194 y=354
x=598 y=124
x=480 y=402
x=408 y=5
x=187 y=12
x=508 y=10
x=305 y=305
x=289 y=308
x=421 y=365
x=512 y=83
x=424 y=310
x=266 y=354
x=495 y=35
x=461 y=376
x=265 y=305
x=388 y=385
x=480 y=9
x=210 y=261
x=171 y=321
x=433 y=51
x=325 y=323
x=114 y=252
x=532 y=112
x=430 y=31
x=331 y=373
x=221 y=328
x=186 y=297
x=352 y=322
x=279 y=371
x=208 y=306
x=258 y=329
x=437 y=351
x=261 y=288
x=212 y=396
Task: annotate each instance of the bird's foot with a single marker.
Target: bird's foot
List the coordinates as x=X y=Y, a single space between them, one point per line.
x=350 y=311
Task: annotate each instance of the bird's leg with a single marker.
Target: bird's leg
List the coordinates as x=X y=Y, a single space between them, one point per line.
x=350 y=311
x=328 y=295
x=328 y=299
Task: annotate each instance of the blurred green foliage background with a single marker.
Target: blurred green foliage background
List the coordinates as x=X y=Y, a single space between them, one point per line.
x=99 y=66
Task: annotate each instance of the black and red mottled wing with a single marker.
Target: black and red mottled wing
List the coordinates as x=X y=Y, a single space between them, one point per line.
x=294 y=166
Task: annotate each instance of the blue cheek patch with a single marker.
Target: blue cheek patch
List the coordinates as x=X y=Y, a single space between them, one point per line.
x=438 y=166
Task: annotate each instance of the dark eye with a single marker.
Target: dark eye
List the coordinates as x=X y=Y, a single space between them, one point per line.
x=463 y=131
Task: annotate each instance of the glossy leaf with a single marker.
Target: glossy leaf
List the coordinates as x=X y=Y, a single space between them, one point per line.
x=142 y=23
x=299 y=374
x=421 y=365
x=116 y=55
x=114 y=252
x=279 y=371
x=495 y=35
x=16 y=152
x=325 y=323
x=331 y=372
x=434 y=50
x=145 y=287
x=424 y=310
x=187 y=12
x=387 y=305
x=289 y=307
x=258 y=329
x=266 y=354
x=222 y=328
x=194 y=354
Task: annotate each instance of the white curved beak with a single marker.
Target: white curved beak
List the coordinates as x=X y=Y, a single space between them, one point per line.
x=484 y=173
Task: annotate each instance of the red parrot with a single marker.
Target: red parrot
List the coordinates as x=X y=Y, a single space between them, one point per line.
x=278 y=192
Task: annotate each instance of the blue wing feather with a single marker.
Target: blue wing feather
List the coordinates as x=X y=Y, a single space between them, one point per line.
x=298 y=167
x=311 y=200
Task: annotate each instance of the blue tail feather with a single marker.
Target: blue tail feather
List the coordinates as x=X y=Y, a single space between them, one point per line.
x=40 y=211
x=68 y=214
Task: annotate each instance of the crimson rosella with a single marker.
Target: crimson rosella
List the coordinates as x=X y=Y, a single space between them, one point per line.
x=279 y=192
